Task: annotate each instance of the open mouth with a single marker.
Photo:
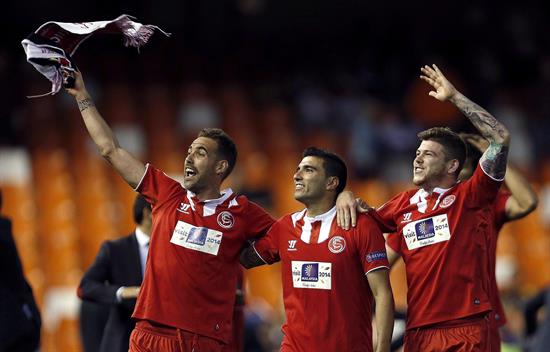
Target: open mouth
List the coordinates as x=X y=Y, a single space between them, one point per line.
x=298 y=186
x=190 y=172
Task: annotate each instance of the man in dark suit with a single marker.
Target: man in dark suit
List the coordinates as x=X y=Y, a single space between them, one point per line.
x=19 y=316
x=92 y=318
x=115 y=278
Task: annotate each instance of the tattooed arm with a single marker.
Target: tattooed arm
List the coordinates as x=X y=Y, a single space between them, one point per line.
x=130 y=168
x=493 y=160
x=523 y=199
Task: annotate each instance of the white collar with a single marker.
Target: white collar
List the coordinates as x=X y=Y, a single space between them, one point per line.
x=141 y=237
x=321 y=217
x=437 y=190
x=226 y=193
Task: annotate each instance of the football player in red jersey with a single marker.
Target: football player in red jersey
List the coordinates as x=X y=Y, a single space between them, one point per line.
x=514 y=203
x=188 y=293
x=441 y=230
x=329 y=275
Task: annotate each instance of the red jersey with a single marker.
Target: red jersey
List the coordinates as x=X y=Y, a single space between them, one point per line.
x=191 y=274
x=328 y=302
x=442 y=238
x=499 y=219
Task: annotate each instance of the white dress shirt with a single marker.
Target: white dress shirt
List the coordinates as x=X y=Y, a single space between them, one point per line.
x=143 y=245
x=143 y=242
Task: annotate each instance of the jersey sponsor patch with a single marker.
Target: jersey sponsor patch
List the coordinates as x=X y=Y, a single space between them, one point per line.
x=316 y=275
x=337 y=244
x=200 y=239
x=426 y=232
x=374 y=256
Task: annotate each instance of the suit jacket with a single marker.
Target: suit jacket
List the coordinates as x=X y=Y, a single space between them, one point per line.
x=93 y=318
x=117 y=264
x=19 y=316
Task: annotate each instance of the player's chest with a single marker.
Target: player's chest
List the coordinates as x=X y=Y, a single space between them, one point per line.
x=194 y=229
x=316 y=265
x=428 y=222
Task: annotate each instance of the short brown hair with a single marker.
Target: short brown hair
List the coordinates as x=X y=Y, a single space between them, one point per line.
x=226 y=147
x=453 y=145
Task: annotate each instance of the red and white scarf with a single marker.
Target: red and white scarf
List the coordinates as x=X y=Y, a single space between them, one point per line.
x=50 y=47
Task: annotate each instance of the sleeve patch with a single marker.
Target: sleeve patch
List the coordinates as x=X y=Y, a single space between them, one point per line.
x=374 y=256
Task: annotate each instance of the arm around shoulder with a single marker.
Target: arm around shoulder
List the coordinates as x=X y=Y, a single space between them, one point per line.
x=249 y=258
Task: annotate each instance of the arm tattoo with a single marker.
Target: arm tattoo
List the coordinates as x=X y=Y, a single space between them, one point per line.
x=495 y=157
x=249 y=258
x=493 y=161
x=84 y=104
x=487 y=125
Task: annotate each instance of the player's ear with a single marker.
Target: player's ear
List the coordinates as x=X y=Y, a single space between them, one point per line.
x=452 y=166
x=332 y=183
x=221 y=167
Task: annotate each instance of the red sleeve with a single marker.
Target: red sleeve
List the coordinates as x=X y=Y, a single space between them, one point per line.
x=370 y=245
x=384 y=214
x=393 y=240
x=157 y=187
x=499 y=208
x=258 y=221
x=267 y=247
x=482 y=189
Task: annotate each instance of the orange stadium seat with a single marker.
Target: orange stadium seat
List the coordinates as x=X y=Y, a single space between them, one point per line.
x=58 y=234
x=533 y=252
x=373 y=191
x=164 y=148
x=96 y=222
x=18 y=204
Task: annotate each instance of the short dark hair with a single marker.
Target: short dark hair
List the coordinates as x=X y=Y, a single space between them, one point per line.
x=139 y=204
x=333 y=164
x=453 y=145
x=226 y=147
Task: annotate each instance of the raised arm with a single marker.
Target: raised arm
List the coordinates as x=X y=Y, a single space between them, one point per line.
x=130 y=168
x=379 y=283
x=523 y=199
x=494 y=158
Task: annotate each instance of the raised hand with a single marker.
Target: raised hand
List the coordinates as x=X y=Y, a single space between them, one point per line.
x=443 y=89
x=78 y=89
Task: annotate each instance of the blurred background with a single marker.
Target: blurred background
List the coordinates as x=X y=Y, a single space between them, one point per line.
x=277 y=76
